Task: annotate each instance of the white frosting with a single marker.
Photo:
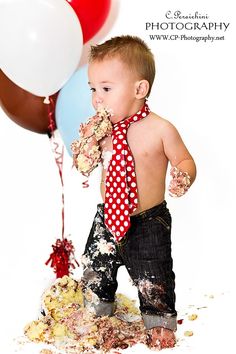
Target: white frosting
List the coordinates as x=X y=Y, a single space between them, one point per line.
x=106 y=157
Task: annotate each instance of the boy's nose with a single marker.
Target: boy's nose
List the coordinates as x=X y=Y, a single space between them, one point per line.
x=98 y=100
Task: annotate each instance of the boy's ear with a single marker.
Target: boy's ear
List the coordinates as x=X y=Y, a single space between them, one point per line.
x=141 y=89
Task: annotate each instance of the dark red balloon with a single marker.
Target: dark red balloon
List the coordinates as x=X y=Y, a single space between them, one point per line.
x=24 y=108
x=91 y=14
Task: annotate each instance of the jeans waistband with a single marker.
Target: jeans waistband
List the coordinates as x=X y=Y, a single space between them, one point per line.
x=154 y=211
x=146 y=214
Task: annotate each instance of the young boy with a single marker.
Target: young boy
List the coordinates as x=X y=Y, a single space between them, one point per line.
x=133 y=226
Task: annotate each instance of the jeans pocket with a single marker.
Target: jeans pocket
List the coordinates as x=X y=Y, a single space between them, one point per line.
x=162 y=221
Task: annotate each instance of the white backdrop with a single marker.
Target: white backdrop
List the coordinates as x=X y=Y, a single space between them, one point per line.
x=195 y=90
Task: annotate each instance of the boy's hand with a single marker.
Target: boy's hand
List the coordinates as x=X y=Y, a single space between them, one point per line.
x=180 y=182
x=87 y=129
x=98 y=125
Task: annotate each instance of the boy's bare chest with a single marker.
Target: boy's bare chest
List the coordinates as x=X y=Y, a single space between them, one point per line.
x=145 y=145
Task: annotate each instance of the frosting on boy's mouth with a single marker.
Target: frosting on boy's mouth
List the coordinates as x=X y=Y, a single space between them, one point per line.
x=104 y=111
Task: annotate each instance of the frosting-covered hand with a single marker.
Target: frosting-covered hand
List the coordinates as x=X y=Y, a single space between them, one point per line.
x=86 y=154
x=86 y=151
x=180 y=182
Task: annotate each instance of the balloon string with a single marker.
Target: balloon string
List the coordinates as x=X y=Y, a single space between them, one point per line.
x=58 y=151
x=85 y=184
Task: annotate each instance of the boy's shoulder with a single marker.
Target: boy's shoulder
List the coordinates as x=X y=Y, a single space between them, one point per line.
x=161 y=122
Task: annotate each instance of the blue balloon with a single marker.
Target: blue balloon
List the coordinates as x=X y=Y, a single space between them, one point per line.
x=73 y=106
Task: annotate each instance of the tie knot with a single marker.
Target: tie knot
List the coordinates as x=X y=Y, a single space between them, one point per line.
x=120 y=131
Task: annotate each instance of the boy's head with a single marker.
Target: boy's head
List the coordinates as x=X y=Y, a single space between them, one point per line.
x=130 y=50
x=121 y=72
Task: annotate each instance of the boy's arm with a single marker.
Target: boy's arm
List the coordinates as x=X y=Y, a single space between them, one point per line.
x=183 y=169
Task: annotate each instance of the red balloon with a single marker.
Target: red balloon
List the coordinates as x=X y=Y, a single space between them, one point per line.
x=92 y=15
x=25 y=109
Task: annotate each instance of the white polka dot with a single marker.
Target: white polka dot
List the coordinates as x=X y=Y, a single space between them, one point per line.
x=117 y=222
x=117 y=168
x=118 y=179
x=113 y=206
x=122 y=163
x=114 y=195
x=135 y=118
x=105 y=216
x=117 y=211
x=113 y=228
x=121 y=228
x=122 y=173
x=106 y=205
x=123 y=184
x=126 y=201
x=114 y=173
x=110 y=200
x=144 y=114
x=133 y=174
x=124 y=131
x=107 y=195
x=126 y=223
x=108 y=184
x=118 y=233
x=113 y=163
x=129 y=158
x=122 y=206
x=132 y=195
x=122 y=217
x=109 y=211
x=115 y=184
x=118 y=189
x=110 y=179
x=109 y=222
x=123 y=126
x=129 y=168
x=113 y=152
x=126 y=212
x=136 y=201
x=118 y=157
x=121 y=136
x=128 y=178
x=122 y=195
x=115 y=141
x=133 y=184
x=119 y=146
x=118 y=201
x=111 y=189
x=113 y=217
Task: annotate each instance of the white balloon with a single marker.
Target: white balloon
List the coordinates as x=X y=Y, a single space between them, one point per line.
x=40 y=43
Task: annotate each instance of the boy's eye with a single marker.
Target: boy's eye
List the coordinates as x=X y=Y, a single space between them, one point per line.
x=106 y=89
x=92 y=89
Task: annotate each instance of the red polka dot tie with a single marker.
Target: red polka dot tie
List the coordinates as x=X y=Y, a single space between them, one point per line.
x=121 y=197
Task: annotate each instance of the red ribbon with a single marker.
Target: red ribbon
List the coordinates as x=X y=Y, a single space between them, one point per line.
x=62 y=257
x=85 y=184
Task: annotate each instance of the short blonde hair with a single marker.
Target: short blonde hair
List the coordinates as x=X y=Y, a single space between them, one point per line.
x=132 y=51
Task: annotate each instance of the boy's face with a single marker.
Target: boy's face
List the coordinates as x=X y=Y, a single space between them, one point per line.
x=113 y=86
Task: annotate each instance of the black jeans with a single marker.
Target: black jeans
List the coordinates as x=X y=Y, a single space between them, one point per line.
x=146 y=253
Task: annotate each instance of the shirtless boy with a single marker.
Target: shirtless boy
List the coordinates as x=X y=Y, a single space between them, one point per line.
x=133 y=225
